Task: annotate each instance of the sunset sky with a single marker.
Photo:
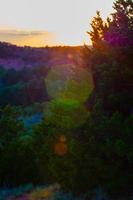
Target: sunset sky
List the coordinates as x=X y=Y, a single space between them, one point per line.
x=49 y=22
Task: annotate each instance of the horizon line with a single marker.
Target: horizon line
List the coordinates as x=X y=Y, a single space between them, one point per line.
x=45 y=46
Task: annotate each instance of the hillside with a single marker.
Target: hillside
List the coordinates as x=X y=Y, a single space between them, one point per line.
x=23 y=71
x=15 y=57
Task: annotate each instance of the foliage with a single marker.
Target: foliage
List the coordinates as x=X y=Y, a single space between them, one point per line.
x=66 y=114
x=108 y=133
x=81 y=150
x=98 y=29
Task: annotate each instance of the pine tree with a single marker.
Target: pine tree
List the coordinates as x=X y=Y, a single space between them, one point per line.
x=120 y=31
x=98 y=29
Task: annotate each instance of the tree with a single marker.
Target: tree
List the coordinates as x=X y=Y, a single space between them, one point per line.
x=10 y=126
x=98 y=29
x=111 y=58
x=107 y=154
x=120 y=32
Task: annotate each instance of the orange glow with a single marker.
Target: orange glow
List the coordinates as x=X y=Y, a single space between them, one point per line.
x=61 y=148
x=27 y=38
x=67 y=20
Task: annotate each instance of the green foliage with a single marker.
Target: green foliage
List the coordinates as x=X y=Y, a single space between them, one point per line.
x=10 y=127
x=51 y=165
x=68 y=81
x=2 y=72
x=17 y=163
x=108 y=152
x=80 y=150
x=66 y=113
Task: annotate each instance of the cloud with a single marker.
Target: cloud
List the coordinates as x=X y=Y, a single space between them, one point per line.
x=22 y=33
x=28 y=37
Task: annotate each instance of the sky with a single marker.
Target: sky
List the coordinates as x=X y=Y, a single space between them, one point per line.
x=49 y=22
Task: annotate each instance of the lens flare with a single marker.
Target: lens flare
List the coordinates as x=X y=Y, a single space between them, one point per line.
x=61 y=147
x=68 y=81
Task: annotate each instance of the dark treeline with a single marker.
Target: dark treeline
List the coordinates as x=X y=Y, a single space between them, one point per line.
x=23 y=87
x=12 y=56
x=23 y=71
x=109 y=149
x=97 y=153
